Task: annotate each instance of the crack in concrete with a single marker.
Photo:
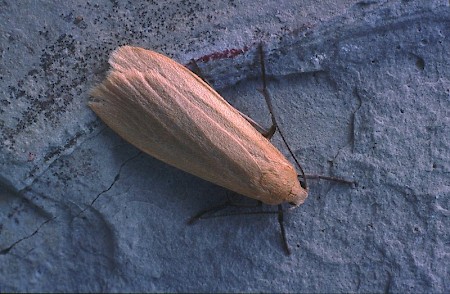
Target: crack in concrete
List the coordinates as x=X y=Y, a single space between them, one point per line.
x=357 y=95
x=352 y=125
x=116 y=178
x=8 y=249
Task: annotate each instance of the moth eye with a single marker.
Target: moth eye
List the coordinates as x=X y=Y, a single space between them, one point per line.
x=292 y=203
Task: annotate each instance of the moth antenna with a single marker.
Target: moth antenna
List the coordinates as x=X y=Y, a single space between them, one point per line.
x=275 y=125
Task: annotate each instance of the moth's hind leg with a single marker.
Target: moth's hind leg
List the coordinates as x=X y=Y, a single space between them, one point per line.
x=267 y=133
x=243 y=208
x=210 y=212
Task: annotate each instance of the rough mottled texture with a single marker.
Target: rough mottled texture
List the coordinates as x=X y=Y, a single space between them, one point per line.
x=361 y=91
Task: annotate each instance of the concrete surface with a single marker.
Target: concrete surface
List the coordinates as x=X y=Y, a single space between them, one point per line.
x=361 y=90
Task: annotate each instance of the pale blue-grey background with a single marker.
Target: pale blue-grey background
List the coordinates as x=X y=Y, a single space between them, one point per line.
x=361 y=89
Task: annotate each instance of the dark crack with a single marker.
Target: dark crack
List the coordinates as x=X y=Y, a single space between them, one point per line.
x=351 y=139
x=357 y=95
x=116 y=178
x=387 y=287
x=352 y=125
x=8 y=249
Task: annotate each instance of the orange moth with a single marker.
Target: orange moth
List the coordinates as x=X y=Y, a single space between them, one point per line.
x=167 y=111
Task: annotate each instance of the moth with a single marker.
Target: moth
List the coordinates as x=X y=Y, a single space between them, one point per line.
x=168 y=112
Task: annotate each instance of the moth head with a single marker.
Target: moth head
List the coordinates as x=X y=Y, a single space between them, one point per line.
x=297 y=195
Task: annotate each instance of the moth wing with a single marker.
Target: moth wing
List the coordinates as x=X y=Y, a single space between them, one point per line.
x=168 y=112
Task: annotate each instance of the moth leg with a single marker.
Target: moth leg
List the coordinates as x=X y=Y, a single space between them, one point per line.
x=210 y=210
x=321 y=177
x=210 y=213
x=266 y=95
x=193 y=66
x=265 y=92
x=267 y=133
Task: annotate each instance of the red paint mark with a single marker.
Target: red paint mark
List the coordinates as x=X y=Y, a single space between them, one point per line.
x=228 y=53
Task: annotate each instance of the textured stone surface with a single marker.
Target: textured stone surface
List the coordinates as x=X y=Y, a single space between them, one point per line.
x=361 y=90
